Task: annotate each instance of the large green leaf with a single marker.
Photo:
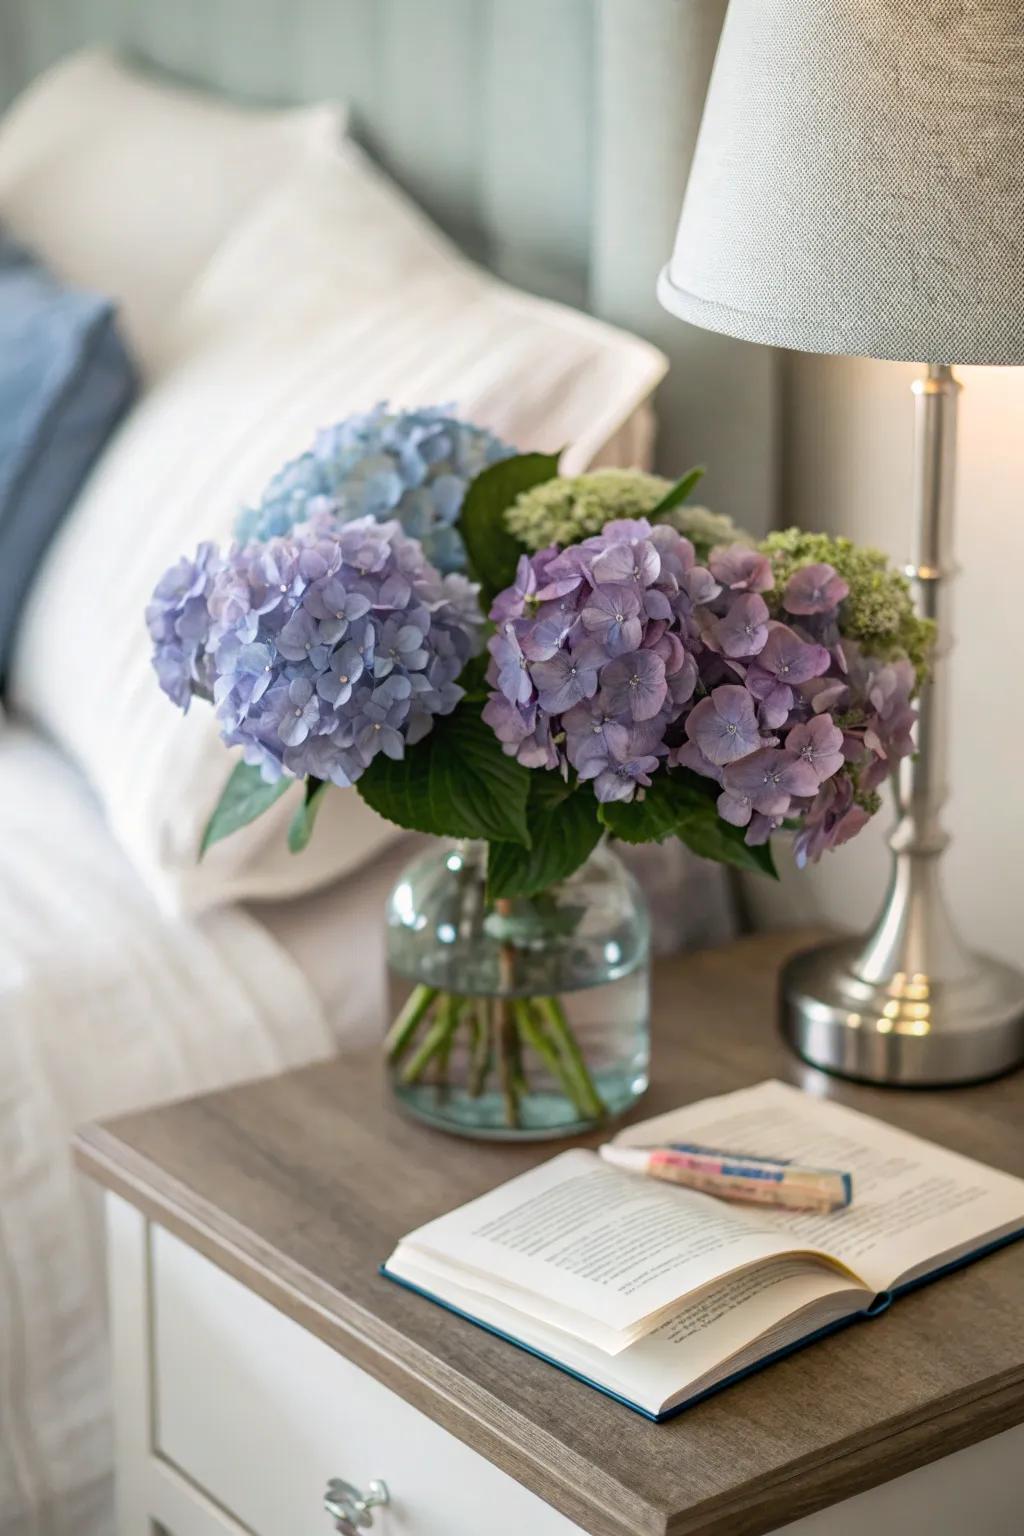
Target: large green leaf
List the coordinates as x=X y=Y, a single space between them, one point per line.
x=705 y=833
x=670 y=797
x=245 y=797
x=564 y=830
x=679 y=492
x=456 y=782
x=301 y=828
x=682 y=804
x=493 y=551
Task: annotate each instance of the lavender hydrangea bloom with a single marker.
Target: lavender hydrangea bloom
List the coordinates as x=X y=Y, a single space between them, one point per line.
x=178 y=618
x=410 y=466
x=743 y=628
x=820 y=743
x=635 y=685
x=724 y=726
x=320 y=647
x=814 y=589
x=741 y=568
x=619 y=780
x=586 y=669
x=620 y=657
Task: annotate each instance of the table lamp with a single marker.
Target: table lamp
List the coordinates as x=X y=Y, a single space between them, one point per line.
x=858 y=188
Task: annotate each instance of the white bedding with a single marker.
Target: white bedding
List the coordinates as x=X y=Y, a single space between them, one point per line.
x=105 y=1005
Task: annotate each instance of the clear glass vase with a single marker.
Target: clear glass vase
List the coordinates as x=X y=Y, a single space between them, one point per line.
x=517 y=1019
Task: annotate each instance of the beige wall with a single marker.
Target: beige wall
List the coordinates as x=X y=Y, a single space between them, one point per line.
x=848 y=467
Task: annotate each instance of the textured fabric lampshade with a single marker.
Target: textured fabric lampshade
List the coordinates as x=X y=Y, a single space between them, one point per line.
x=858 y=185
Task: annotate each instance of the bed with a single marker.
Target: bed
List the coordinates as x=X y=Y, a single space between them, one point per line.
x=548 y=141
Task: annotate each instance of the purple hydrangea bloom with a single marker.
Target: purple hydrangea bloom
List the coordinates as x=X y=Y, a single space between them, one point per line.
x=513 y=678
x=820 y=743
x=724 y=726
x=743 y=629
x=566 y=678
x=619 y=780
x=620 y=657
x=511 y=604
x=320 y=647
x=742 y=569
x=789 y=659
x=767 y=780
x=613 y=616
x=814 y=589
x=178 y=617
x=634 y=685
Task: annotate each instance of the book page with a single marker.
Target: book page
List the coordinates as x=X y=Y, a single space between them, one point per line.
x=734 y=1322
x=913 y=1202
x=592 y=1250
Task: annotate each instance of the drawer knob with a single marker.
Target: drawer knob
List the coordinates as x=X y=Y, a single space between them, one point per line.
x=350 y=1508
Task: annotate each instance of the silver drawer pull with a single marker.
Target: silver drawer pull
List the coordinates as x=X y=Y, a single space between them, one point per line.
x=349 y=1508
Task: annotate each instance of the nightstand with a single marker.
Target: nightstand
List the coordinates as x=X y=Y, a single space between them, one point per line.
x=259 y=1355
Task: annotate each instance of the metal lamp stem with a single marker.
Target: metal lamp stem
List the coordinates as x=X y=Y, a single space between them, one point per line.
x=910 y=1004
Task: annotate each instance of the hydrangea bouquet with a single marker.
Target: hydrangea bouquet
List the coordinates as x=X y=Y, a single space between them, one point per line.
x=489 y=651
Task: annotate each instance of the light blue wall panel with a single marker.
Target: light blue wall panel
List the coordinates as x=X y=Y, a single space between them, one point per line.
x=551 y=138
x=538 y=143
x=425 y=123
x=718 y=404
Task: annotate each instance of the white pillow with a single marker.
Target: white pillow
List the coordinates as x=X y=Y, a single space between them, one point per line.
x=128 y=185
x=334 y=295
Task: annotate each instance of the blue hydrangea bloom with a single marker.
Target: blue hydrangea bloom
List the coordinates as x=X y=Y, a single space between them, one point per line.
x=319 y=647
x=409 y=466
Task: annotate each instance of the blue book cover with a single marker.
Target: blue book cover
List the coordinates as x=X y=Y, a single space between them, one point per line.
x=881 y=1304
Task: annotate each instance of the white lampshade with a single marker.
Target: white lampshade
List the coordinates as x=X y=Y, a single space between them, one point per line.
x=858 y=185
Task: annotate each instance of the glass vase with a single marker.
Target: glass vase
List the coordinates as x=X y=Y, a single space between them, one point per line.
x=523 y=1018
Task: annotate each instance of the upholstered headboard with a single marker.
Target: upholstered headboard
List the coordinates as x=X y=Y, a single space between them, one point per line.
x=551 y=138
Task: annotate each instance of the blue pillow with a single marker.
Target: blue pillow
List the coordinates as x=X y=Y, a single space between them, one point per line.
x=65 y=382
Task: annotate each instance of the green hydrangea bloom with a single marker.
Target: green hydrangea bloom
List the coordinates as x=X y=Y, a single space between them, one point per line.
x=879 y=612
x=569 y=508
x=564 y=510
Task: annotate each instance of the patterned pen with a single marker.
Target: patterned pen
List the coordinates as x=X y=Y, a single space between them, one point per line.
x=737 y=1175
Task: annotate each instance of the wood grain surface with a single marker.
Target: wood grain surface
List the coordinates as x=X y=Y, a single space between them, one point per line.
x=300 y=1186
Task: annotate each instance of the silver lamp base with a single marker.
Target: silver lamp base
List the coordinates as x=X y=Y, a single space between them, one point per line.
x=905 y=1029
x=911 y=1005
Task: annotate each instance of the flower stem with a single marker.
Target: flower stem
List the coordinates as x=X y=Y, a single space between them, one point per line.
x=502 y=1032
x=437 y=1037
x=571 y=1056
x=451 y=1011
x=532 y=1032
x=506 y=1059
x=417 y=1005
x=480 y=1051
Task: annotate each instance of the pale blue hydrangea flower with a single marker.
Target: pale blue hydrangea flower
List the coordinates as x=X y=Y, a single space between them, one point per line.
x=410 y=466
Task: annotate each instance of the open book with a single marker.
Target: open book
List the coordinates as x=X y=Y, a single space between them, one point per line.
x=658 y=1295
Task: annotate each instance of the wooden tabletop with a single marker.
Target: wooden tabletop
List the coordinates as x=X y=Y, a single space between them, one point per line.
x=301 y=1185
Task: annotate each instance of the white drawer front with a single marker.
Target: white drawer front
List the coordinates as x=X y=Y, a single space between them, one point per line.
x=260 y=1414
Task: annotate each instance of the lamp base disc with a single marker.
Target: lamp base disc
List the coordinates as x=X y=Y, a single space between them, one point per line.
x=907 y=1030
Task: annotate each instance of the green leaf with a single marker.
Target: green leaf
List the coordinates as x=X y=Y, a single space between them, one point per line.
x=245 y=797
x=657 y=816
x=679 y=492
x=301 y=829
x=493 y=551
x=564 y=831
x=456 y=782
x=682 y=804
x=705 y=833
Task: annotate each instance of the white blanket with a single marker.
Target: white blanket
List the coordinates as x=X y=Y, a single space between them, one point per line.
x=105 y=1006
